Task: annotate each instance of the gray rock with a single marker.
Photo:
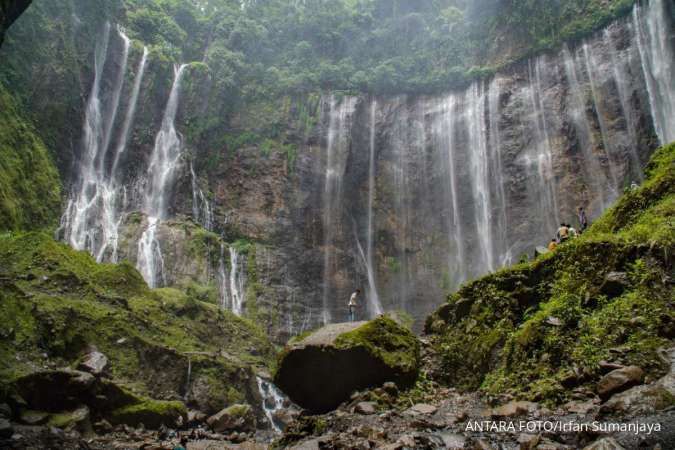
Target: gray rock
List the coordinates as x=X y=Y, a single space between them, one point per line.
x=6 y=430
x=614 y=284
x=94 y=362
x=233 y=418
x=619 y=380
x=5 y=411
x=514 y=408
x=604 y=444
x=422 y=408
x=31 y=417
x=365 y=408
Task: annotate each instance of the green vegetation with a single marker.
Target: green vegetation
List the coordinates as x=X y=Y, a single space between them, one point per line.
x=395 y=345
x=30 y=188
x=151 y=413
x=56 y=301
x=536 y=329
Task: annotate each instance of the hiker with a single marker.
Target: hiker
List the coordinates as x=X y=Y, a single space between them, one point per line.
x=572 y=231
x=552 y=245
x=352 y=304
x=583 y=221
x=563 y=233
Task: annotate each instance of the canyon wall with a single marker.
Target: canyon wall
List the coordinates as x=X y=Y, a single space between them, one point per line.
x=405 y=197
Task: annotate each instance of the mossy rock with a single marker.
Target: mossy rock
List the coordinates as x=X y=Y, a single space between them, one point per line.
x=151 y=413
x=322 y=370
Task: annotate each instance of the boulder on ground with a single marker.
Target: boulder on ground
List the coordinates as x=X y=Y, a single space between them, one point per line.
x=365 y=408
x=619 y=380
x=93 y=362
x=321 y=371
x=233 y=418
x=55 y=390
x=514 y=409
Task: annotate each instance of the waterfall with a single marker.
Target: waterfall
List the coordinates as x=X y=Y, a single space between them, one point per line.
x=446 y=142
x=478 y=166
x=337 y=146
x=202 y=213
x=164 y=162
x=273 y=400
x=374 y=305
x=542 y=184
x=653 y=38
x=232 y=282
x=90 y=221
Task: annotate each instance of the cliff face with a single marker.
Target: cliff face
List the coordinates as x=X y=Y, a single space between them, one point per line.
x=405 y=197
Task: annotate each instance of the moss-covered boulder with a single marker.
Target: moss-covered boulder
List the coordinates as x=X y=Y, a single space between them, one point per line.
x=151 y=413
x=321 y=371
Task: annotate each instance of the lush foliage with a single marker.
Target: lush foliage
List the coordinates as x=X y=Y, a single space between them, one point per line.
x=29 y=183
x=265 y=47
x=538 y=328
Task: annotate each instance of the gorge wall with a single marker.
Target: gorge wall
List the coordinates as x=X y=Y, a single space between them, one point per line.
x=405 y=196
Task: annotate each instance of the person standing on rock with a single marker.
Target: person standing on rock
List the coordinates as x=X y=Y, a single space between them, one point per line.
x=352 y=304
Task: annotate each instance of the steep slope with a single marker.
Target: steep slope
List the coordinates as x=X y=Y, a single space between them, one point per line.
x=30 y=188
x=538 y=329
x=56 y=303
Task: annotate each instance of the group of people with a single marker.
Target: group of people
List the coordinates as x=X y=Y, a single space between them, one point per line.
x=567 y=231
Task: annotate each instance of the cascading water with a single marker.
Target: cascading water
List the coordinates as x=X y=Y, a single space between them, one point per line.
x=374 y=305
x=653 y=38
x=91 y=219
x=164 y=163
x=273 y=400
x=232 y=282
x=337 y=145
x=202 y=212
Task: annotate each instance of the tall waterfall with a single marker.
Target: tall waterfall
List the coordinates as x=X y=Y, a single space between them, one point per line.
x=91 y=219
x=164 y=162
x=340 y=114
x=232 y=280
x=467 y=182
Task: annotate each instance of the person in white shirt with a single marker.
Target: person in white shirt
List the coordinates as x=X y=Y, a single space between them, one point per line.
x=352 y=304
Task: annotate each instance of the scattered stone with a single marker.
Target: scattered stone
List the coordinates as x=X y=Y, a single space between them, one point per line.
x=528 y=441
x=76 y=419
x=619 y=380
x=5 y=411
x=103 y=427
x=6 y=430
x=422 y=408
x=514 y=408
x=390 y=388
x=614 y=284
x=365 y=408
x=452 y=441
x=554 y=321
x=604 y=444
x=582 y=408
x=121 y=341
x=606 y=367
x=233 y=418
x=94 y=362
x=31 y=417
x=480 y=444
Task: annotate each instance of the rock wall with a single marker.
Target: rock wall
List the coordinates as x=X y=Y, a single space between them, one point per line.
x=405 y=197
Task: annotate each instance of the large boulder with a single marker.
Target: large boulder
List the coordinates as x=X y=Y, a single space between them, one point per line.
x=322 y=370
x=234 y=418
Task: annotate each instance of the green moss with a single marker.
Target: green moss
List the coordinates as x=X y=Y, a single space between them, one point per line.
x=396 y=346
x=527 y=329
x=56 y=301
x=151 y=413
x=30 y=188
